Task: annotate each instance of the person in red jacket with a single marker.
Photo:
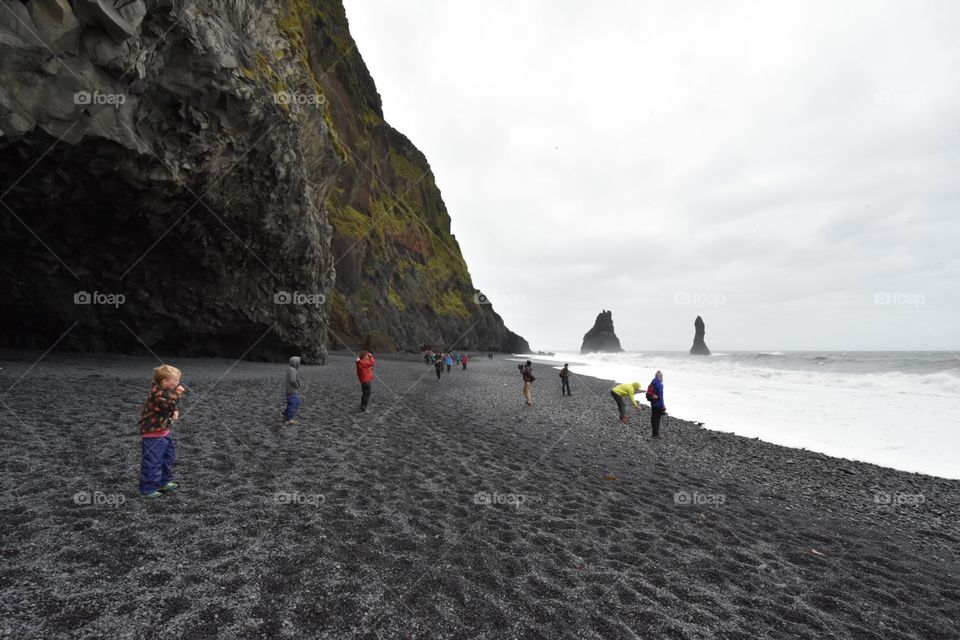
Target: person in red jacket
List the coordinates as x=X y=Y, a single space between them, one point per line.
x=463 y=361
x=365 y=373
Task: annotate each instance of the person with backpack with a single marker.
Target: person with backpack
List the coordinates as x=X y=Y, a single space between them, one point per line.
x=622 y=393
x=657 y=407
x=565 y=381
x=526 y=371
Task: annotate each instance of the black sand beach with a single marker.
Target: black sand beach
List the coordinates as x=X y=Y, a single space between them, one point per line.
x=448 y=511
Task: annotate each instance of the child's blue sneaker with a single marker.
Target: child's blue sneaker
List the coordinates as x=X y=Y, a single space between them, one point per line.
x=151 y=496
x=170 y=486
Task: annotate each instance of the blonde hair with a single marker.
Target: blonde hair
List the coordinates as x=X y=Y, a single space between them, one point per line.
x=165 y=372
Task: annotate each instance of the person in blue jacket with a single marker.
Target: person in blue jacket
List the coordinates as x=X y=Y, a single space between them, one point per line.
x=657 y=407
x=449 y=362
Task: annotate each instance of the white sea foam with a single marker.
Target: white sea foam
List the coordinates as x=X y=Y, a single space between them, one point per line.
x=831 y=403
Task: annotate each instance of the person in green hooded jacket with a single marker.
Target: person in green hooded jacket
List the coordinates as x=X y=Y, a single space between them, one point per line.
x=623 y=393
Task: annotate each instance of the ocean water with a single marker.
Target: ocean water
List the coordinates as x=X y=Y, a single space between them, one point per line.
x=896 y=409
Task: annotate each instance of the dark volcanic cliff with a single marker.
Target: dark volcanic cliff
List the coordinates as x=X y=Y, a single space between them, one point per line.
x=601 y=338
x=182 y=163
x=399 y=269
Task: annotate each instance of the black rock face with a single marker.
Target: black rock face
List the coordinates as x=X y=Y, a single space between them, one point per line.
x=699 y=347
x=188 y=180
x=601 y=338
x=157 y=196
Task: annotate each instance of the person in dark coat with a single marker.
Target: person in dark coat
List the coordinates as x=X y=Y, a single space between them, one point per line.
x=657 y=407
x=565 y=380
x=526 y=371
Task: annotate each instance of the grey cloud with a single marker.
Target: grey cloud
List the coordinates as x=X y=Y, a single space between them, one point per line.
x=794 y=159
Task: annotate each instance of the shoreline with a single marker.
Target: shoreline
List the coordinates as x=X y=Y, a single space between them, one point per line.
x=776 y=424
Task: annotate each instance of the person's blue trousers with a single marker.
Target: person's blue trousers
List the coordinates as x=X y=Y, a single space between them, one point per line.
x=293 y=403
x=156 y=463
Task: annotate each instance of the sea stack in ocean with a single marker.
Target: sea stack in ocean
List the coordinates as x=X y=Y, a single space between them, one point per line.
x=601 y=338
x=699 y=347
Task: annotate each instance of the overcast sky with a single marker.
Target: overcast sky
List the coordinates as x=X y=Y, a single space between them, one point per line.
x=788 y=170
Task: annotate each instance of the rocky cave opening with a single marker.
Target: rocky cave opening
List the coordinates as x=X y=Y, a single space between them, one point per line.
x=103 y=251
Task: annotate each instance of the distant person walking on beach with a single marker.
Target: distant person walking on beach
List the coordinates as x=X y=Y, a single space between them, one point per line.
x=526 y=371
x=449 y=362
x=457 y=357
x=463 y=361
x=565 y=380
x=623 y=393
x=157 y=451
x=438 y=364
x=293 y=391
x=657 y=407
x=365 y=374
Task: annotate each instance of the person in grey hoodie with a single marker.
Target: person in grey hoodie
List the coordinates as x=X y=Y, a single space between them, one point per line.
x=293 y=391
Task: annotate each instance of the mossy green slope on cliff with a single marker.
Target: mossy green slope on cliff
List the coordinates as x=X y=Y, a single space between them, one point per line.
x=401 y=278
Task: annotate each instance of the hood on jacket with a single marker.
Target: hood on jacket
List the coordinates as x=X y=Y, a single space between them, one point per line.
x=636 y=386
x=295 y=362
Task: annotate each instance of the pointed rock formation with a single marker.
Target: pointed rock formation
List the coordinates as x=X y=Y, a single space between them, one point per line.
x=699 y=347
x=601 y=338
